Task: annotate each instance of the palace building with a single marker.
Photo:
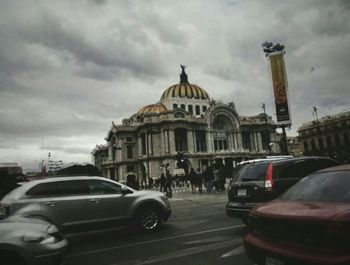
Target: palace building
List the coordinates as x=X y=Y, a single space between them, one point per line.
x=328 y=136
x=184 y=123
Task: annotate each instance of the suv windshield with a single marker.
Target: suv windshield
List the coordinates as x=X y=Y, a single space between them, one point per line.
x=322 y=187
x=251 y=172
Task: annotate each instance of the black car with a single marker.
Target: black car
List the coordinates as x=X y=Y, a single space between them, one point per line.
x=262 y=181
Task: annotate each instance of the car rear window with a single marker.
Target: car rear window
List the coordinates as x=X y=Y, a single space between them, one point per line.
x=251 y=172
x=42 y=189
x=321 y=187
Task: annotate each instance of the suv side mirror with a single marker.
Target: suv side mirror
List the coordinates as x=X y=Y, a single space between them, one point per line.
x=125 y=190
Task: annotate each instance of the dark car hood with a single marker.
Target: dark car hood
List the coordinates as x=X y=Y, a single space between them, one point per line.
x=301 y=210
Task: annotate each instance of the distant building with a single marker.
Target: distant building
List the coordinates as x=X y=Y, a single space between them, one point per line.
x=184 y=123
x=11 y=169
x=10 y=175
x=327 y=136
x=294 y=147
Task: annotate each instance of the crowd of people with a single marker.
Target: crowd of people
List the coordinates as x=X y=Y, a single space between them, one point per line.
x=211 y=178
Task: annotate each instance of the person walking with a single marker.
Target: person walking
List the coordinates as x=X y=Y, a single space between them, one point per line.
x=168 y=183
x=199 y=180
x=216 y=180
x=208 y=178
x=162 y=182
x=193 y=180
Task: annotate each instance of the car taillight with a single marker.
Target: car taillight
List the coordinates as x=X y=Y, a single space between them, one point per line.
x=268 y=178
x=4 y=210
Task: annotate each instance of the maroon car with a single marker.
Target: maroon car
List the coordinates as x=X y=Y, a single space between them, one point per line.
x=309 y=224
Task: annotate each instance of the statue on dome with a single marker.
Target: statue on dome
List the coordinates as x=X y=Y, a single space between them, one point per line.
x=183 y=75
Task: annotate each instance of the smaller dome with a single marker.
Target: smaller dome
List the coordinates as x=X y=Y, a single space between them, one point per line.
x=153 y=108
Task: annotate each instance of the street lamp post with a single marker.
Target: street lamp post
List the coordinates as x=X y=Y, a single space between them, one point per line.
x=317 y=128
x=267 y=139
x=268 y=48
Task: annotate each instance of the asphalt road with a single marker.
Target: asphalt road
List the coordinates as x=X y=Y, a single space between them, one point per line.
x=197 y=233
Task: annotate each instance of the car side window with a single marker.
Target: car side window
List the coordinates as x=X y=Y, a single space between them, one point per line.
x=304 y=168
x=71 y=188
x=97 y=187
x=299 y=169
x=41 y=190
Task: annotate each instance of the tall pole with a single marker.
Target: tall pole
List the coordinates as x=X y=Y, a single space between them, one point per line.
x=284 y=140
x=147 y=156
x=275 y=53
x=267 y=138
x=317 y=127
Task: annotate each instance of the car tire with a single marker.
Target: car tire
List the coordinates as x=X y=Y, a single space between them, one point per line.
x=148 y=219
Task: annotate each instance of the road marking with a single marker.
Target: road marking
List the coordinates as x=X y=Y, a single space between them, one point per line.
x=235 y=252
x=208 y=240
x=155 y=240
x=180 y=253
x=176 y=199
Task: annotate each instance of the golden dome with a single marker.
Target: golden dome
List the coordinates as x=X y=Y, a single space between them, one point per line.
x=153 y=108
x=185 y=90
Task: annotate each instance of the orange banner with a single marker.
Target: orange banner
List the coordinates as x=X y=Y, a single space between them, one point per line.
x=279 y=83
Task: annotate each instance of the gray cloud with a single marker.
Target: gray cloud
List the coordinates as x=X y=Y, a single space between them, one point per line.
x=70 y=68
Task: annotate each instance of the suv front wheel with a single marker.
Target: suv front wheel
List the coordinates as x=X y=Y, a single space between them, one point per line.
x=148 y=219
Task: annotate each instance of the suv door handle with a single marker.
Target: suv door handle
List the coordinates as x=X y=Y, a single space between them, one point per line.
x=95 y=200
x=52 y=204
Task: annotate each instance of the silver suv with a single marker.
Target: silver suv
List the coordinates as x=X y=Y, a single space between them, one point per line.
x=80 y=204
x=25 y=241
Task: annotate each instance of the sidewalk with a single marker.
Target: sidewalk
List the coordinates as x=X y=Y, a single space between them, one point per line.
x=188 y=189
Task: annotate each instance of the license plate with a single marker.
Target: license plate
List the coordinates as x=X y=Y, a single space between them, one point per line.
x=273 y=261
x=242 y=192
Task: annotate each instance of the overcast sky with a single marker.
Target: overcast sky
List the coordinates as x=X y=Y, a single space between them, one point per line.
x=70 y=68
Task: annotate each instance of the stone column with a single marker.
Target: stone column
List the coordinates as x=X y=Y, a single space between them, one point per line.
x=110 y=155
x=252 y=141
x=116 y=175
x=172 y=141
x=190 y=142
x=231 y=144
x=139 y=143
x=259 y=141
x=239 y=140
x=209 y=141
x=150 y=143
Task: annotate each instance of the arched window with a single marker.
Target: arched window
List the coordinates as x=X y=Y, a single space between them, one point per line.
x=198 y=110
x=221 y=128
x=143 y=143
x=200 y=141
x=246 y=141
x=190 y=109
x=328 y=141
x=181 y=139
x=346 y=138
x=313 y=145
x=320 y=143
x=337 y=140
